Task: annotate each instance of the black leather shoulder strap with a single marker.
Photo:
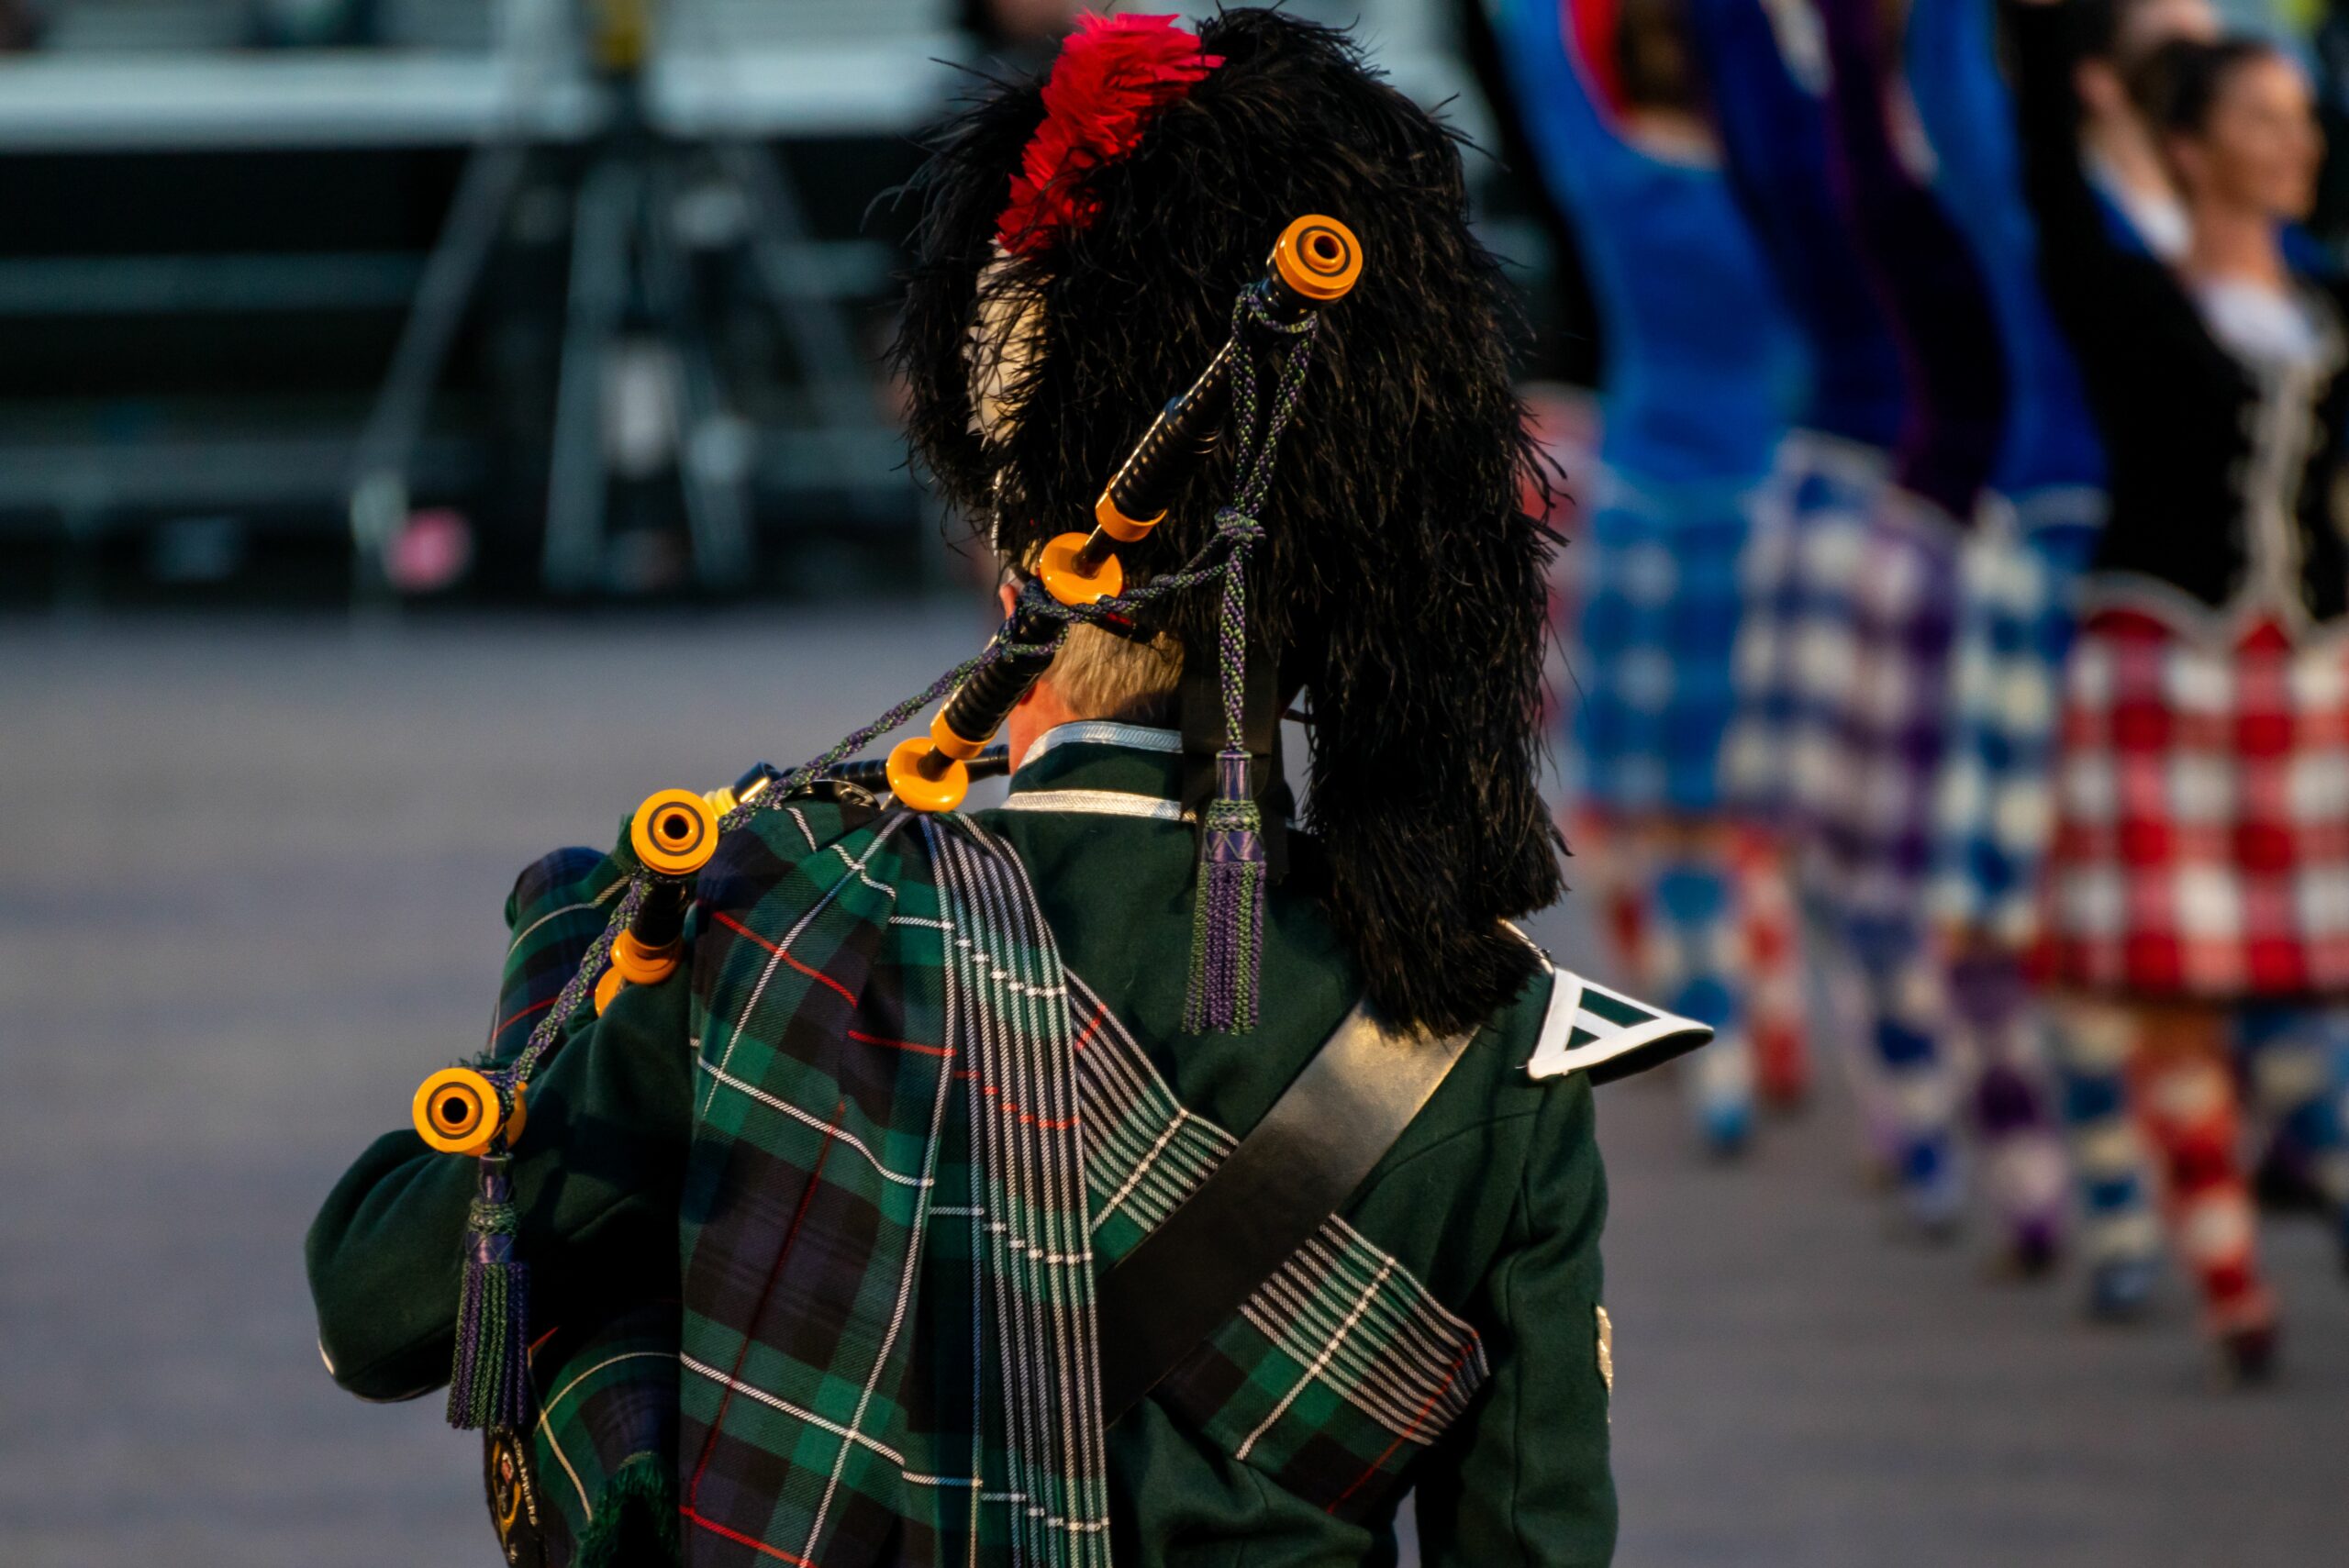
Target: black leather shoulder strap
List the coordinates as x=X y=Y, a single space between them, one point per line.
x=1300 y=1164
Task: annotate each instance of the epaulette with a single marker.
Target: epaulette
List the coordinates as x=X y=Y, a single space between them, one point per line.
x=1586 y=1028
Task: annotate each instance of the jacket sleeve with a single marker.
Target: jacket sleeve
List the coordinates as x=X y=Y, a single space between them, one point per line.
x=1523 y=1480
x=596 y=1178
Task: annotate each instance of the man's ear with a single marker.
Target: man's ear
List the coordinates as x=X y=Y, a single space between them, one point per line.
x=1008 y=595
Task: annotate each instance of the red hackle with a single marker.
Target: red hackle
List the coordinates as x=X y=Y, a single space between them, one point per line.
x=1113 y=74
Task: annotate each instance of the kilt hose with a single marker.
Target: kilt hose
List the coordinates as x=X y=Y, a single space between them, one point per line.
x=2201 y=842
x=2193 y=1115
x=1775 y=1003
x=2016 y=1127
x=2090 y=1047
x=2295 y=1063
x=1733 y=954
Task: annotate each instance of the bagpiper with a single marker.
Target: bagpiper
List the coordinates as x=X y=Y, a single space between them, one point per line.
x=1146 y=1170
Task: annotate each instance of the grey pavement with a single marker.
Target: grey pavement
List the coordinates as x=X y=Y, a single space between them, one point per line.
x=250 y=883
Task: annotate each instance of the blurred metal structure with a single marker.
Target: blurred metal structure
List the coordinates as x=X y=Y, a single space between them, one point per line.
x=625 y=247
x=257 y=280
x=635 y=123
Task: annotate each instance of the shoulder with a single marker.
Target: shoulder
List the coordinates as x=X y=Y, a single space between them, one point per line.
x=1505 y=1154
x=781 y=841
x=1534 y=1062
x=1577 y=1025
x=836 y=861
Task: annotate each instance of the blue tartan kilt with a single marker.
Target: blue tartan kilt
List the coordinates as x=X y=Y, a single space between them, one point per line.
x=1994 y=806
x=1655 y=637
x=1798 y=637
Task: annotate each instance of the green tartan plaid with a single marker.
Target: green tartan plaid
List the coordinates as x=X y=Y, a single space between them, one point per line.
x=889 y=1290
x=559 y=906
x=917 y=1137
x=608 y=1402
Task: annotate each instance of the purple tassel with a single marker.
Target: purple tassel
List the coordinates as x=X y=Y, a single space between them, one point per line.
x=489 y=1387
x=1228 y=907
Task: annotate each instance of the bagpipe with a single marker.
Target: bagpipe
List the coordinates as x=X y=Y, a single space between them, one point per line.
x=1079 y=577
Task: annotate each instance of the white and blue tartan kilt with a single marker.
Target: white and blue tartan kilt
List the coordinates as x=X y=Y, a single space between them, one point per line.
x=1654 y=634
x=1796 y=641
x=1994 y=802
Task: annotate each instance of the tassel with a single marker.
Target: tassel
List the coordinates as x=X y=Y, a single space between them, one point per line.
x=489 y=1388
x=1228 y=907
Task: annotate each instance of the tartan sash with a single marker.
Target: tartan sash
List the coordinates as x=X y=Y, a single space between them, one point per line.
x=888 y=1337
x=1339 y=1369
x=915 y=1135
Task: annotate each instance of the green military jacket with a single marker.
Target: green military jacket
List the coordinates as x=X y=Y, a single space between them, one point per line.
x=1476 y=1351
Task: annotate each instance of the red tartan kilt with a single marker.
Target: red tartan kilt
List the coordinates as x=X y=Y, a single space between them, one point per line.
x=2201 y=844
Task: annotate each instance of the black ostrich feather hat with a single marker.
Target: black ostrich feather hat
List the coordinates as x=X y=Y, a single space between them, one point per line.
x=1400 y=583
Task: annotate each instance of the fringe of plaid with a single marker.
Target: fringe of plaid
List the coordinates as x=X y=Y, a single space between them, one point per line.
x=888 y=1345
x=604 y=1449
x=1007 y=1014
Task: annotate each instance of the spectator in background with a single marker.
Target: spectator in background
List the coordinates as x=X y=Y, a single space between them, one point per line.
x=1997 y=802
x=2021 y=574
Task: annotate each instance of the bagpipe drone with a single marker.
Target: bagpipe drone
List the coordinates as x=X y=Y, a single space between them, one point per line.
x=1078 y=577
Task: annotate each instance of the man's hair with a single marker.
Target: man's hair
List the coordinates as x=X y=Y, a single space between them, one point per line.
x=1102 y=675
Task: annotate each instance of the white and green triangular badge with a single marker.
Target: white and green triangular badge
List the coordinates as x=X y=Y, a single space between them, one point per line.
x=1589 y=1028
